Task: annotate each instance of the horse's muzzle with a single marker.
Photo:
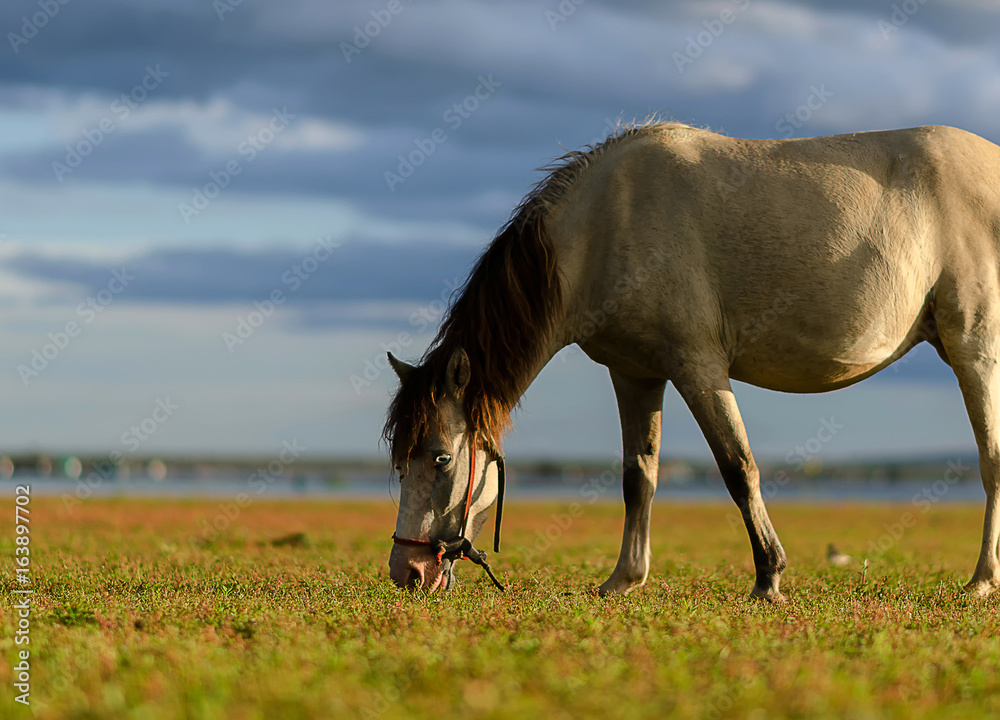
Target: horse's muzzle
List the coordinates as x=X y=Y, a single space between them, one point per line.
x=417 y=568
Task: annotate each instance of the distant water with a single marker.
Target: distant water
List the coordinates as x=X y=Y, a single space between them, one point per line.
x=539 y=488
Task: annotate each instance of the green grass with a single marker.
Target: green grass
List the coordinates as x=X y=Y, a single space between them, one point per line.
x=289 y=613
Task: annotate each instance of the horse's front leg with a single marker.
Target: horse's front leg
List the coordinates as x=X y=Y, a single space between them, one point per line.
x=640 y=404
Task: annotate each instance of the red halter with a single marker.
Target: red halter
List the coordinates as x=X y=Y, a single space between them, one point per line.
x=461 y=547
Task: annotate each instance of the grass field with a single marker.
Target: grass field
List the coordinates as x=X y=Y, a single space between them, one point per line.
x=133 y=620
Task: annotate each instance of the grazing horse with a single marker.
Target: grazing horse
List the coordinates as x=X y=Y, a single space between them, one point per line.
x=673 y=253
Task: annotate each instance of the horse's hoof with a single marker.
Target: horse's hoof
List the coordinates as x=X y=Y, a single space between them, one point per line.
x=771 y=596
x=979 y=589
x=615 y=586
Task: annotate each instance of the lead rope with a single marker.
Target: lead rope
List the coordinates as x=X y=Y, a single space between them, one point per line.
x=501 y=482
x=462 y=547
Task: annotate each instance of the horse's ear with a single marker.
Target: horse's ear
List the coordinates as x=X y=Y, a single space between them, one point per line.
x=401 y=369
x=458 y=373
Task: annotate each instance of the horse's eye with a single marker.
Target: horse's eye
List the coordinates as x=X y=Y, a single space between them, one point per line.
x=441 y=460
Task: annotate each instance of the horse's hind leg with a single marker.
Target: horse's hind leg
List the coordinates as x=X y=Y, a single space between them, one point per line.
x=709 y=395
x=974 y=351
x=640 y=405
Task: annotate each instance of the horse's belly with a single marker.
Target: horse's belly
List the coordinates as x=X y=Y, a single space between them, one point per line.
x=790 y=360
x=818 y=376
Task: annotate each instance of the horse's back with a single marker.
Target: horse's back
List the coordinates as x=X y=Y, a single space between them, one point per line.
x=809 y=262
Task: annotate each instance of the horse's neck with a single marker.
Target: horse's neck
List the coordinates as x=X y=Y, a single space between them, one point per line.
x=552 y=345
x=548 y=352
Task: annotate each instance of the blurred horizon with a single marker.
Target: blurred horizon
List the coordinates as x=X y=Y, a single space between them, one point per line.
x=215 y=218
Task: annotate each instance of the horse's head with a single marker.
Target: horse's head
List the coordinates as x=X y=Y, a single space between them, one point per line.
x=449 y=473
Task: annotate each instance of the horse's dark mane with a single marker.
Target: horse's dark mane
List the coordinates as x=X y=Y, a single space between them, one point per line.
x=502 y=317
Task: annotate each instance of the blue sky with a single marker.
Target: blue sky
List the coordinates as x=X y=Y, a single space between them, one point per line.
x=239 y=206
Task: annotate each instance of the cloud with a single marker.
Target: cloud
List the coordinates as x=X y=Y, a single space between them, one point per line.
x=561 y=84
x=182 y=146
x=356 y=272
x=360 y=284
x=357 y=118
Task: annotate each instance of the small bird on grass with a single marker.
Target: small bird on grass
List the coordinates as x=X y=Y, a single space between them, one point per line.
x=836 y=557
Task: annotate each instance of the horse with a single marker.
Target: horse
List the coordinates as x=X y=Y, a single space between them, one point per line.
x=670 y=253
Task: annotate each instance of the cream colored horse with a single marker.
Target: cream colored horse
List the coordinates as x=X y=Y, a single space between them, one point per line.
x=675 y=254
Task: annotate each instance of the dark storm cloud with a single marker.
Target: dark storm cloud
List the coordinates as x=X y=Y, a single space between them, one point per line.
x=445 y=185
x=958 y=22
x=560 y=81
x=292 y=53
x=354 y=272
x=294 y=49
x=160 y=156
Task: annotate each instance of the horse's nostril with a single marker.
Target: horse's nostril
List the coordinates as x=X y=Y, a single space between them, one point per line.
x=414 y=578
x=407 y=576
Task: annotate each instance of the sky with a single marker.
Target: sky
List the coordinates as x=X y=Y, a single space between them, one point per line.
x=215 y=217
